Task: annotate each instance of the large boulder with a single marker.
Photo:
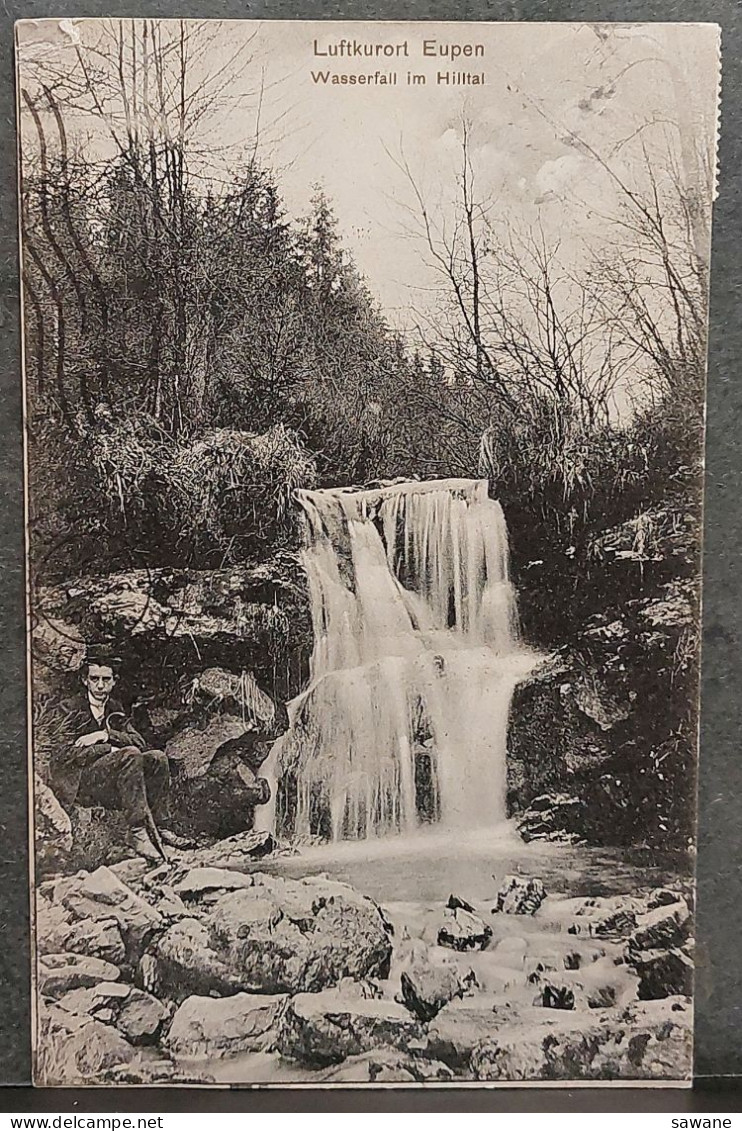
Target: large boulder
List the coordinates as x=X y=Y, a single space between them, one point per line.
x=217 y=749
x=662 y=973
x=182 y=962
x=208 y=1027
x=100 y=896
x=277 y=936
x=426 y=987
x=561 y=723
x=193 y=748
x=601 y=725
x=74 y=1049
x=220 y=802
x=178 y=621
x=325 y=1028
x=626 y=1045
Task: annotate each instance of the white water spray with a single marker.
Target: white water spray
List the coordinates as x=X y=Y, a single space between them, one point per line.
x=415 y=659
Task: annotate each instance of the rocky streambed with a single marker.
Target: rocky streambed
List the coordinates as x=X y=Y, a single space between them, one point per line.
x=233 y=965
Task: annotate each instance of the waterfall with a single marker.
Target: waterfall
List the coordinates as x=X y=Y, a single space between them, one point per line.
x=416 y=655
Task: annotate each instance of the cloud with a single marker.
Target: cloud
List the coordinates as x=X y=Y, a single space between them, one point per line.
x=555 y=179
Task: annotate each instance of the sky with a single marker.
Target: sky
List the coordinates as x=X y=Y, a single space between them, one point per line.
x=547 y=88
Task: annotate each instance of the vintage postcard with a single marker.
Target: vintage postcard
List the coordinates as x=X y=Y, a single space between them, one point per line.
x=364 y=375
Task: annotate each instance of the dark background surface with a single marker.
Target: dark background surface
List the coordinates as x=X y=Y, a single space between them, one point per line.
x=719 y=938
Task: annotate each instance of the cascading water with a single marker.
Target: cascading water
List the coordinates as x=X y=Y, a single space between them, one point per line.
x=415 y=659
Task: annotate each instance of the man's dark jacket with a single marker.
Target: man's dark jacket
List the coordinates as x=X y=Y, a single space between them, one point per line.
x=68 y=762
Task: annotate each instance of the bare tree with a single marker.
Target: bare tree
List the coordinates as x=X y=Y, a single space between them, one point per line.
x=653 y=283
x=149 y=103
x=518 y=332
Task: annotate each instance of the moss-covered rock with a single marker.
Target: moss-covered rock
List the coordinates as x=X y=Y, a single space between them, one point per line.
x=602 y=736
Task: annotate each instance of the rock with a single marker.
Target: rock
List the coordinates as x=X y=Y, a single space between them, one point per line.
x=365 y=988
x=426 y=988
x=616 y=1045
x=59 y=973
x=456 y=1031
x=53 y=827
x=324 y=1028
x=613 y=917
x=168 y=904
x=196 y=744
x=239 y=693
x=615 y=926
x=552 y=817
x=653 y=535
x=278 y=936
x=462 y=930
x=231 y=730
x=141 y=1018
x=102 y=896
x=674 y=610
x=520 y=897
x=666 y=925
x=557 y=997
x=222 y=801
x=157 y=1070
x=100 y=1001
x=455 y=901
x=99 y=938
x=53 y=925
x=182 y=962
x=663 y=897
x=57 y=645
x=136 y=1014
x=77 y=1050
x=601 y=997
x=663 y=973
x=598 y=705
x=200 y=880
x=134 y=870
x=237 y=850
x=387 y=1068
x=242 y=617
x=301 y=935
x=551 y=741
x=205 y=1026
x=103 y=995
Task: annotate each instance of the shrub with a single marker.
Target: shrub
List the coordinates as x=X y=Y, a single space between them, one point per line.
x=231 y=491
x=136 y=496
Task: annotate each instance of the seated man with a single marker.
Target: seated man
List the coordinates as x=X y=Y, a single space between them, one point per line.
x=104 y=762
